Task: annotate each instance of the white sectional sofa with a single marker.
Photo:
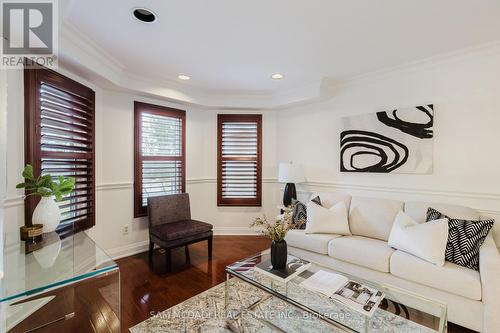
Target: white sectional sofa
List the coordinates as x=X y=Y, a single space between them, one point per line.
x=473 y=298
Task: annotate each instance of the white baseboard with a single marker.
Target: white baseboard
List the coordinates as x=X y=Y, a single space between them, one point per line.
x=142 y=246
x=128 y=250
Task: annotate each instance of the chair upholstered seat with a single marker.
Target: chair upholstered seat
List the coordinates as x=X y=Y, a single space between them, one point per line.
x=180 y=229
x=171 y=226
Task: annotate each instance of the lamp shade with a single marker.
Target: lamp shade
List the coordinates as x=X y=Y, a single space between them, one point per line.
x=291 y=173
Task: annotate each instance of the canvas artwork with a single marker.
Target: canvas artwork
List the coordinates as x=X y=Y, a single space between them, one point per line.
x=397 y=141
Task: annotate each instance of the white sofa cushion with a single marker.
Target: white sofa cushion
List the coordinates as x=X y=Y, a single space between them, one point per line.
x=373 y=217
x=417 y=210
x=362 y=251
x=424 y=240
x=327 y=220
x=452 y=278
x=311 y=242
x=328 y=199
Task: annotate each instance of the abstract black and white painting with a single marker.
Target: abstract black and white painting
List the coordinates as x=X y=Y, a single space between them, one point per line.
x=397 y=141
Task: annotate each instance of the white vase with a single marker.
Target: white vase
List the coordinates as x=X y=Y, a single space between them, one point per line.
x=47 y=255
x=47 y=213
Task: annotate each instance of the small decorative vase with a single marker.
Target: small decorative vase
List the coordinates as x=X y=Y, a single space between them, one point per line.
x=47 y=213
x=278 y=254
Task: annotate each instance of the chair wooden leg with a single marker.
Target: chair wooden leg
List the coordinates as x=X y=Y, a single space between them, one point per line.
x=210 y=247
x=168 y=257
x=151 y=248
x=186 y=250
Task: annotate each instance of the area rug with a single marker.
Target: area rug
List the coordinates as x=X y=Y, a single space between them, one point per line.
x=206 y=313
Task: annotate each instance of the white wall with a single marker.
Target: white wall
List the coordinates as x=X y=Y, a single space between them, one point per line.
x=114 y=168
x=3 y=155
x=115 y=174
x=13 y=204
x=465 y=91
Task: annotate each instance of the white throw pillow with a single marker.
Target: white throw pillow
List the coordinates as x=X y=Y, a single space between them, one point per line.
x=424 y=240
x=321 y=220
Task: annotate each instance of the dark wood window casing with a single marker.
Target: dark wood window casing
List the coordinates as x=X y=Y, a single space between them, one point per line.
x=60 y=140
x=160 y=153
x=239 y=160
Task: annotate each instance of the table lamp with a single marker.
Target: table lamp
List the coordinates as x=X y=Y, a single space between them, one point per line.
x=290 y=174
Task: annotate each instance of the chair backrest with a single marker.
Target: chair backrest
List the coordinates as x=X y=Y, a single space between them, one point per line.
x=168 y=208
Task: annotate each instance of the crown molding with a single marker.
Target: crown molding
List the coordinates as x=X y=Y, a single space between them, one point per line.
x=85 y=58
x=481 y=50
x=82 y=56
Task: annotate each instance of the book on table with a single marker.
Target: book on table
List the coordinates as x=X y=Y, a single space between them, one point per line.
x=294 y=266
x=350 y=293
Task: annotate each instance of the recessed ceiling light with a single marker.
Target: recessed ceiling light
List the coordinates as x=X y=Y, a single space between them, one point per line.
x=277 y=76
x=144 y=15
x=183 y=77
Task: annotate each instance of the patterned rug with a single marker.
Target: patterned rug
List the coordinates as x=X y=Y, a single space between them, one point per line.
x=206 y=313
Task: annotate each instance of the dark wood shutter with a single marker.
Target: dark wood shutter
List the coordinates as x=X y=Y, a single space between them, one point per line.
x=60 y=140
x=239 y=180
x=160 y=136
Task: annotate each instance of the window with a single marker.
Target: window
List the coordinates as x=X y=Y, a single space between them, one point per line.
x=160 y=159
x=239 y=170
x=59 y=140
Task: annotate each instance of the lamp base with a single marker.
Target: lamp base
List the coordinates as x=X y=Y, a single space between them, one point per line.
x=288 y=194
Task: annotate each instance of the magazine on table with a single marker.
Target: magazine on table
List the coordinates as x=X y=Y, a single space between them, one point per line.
x=350 y=293
x=294 y=266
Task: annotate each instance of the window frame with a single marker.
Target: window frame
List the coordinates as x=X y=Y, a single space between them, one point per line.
x=33 y=79
x=242 y=202
x=139 y=108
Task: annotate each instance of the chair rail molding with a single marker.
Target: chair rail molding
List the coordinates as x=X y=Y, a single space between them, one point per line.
x=14 y=201
x=409 y=190
x=189 y=181
x=489 y=201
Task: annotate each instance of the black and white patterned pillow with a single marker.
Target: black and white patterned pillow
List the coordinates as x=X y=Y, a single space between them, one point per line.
x=317 y=200
x=465 y=238
x=300 y=211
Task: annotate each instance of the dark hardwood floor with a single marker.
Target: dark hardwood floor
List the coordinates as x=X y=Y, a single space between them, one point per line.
x=148 y=289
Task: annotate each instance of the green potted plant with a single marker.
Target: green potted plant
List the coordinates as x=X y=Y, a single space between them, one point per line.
x=51 y=190
x=277 y=231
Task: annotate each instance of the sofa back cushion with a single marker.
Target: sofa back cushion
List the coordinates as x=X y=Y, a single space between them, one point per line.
x=417 y=210
x=330 y=199
x=373 y=217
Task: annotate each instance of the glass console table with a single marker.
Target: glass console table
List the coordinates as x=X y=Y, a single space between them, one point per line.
x=63 y=284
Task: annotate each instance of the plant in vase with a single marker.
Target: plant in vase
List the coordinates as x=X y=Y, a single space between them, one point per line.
x=51 y=190
x=277 y=231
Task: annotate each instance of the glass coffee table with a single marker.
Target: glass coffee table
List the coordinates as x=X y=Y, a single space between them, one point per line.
x=256 y=302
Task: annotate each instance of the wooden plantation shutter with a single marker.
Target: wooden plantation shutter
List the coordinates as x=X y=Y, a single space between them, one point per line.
x=160 y=164
x=239 y=174
x=59 y=140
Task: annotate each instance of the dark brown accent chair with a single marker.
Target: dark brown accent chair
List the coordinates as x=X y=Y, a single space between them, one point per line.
x=171 y=226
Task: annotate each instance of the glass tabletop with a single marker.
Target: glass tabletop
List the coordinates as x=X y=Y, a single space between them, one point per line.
x=32 y=268
x=401 y=309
